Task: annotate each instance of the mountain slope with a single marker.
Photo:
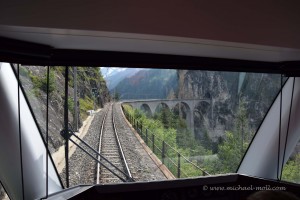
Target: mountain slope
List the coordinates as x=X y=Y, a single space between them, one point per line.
x=229 y=91
x=114 y=75
x=33 y=79
x=148 y=84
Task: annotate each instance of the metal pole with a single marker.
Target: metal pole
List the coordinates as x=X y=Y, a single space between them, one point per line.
x=66 y=126
x=147 y=136
x=178 y=168
x=153 y=143
x=47 y=132
x=163 y=152
x=75 y=100
x=20 y=134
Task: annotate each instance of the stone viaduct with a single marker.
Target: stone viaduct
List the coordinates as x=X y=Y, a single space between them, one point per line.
x=151 y=105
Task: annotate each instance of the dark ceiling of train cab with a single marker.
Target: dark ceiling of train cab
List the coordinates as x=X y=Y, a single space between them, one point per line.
x=268 y=22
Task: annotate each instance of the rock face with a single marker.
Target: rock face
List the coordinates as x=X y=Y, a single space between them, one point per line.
x=207 y=85
x=33 y=79
x=227 y=90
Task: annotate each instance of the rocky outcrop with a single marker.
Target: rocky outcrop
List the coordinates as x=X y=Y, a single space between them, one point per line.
x=33 y=79
x=213 y=118
x=227 y=90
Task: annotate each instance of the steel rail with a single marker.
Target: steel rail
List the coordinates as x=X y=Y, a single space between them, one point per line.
x=127 y=174
x=120 y=146
x=96 y=159
x=100 y=145
x=71 y=133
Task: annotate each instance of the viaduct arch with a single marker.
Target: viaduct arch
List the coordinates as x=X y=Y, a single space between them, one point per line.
x=150 y=106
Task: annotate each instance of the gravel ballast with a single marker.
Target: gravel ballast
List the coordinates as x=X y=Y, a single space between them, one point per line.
x=82 y=168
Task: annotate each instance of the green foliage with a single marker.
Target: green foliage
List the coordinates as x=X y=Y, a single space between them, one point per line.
x=116 y=96
x=209 y=144
x=89 y=78
x=85 y=104
x=241 y=123
x=168 y=127
x=60 y=69
x=128 y=109
x=40 y=83
x=232 y=149
x=24 y=72
x=166 y=117
x=231 y=152
x=35 y=80
x=291 y=170
x=71 y=104
x=36 y=85
x=52 y=83
x=90 y=74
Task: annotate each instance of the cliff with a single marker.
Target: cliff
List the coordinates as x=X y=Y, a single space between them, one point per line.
x=33 y=79
x=228 y=91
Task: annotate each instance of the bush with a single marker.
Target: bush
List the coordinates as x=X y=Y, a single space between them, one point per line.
x=52 y=83
x=71 y=104
x=164 y=126
x=85 y=104
x=291 y=170
x=40 y=83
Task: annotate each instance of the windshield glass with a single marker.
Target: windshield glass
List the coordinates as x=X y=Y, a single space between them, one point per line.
x=165 y=123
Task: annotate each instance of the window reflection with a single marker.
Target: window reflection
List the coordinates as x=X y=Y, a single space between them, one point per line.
x=3 y=195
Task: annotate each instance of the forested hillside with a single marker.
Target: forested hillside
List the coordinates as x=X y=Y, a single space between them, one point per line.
x=148 y=84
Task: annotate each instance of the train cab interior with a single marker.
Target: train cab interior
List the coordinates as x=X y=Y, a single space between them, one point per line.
x=245 y=37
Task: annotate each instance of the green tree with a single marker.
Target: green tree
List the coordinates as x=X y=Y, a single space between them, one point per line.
x=233 y=147
x=241 y=125
x=116 y=96
x=40 y=83
x=230 y=153
x=168 y=127
x=291 y=170
x=236 y=142
x=52 y=83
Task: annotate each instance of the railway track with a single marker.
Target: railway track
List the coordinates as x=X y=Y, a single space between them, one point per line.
x=84 y=160
x=114 y=168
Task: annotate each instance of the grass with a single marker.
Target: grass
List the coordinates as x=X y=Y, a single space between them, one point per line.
x=85 y=104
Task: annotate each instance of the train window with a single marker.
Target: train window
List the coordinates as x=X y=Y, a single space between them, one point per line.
x=148 y=124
